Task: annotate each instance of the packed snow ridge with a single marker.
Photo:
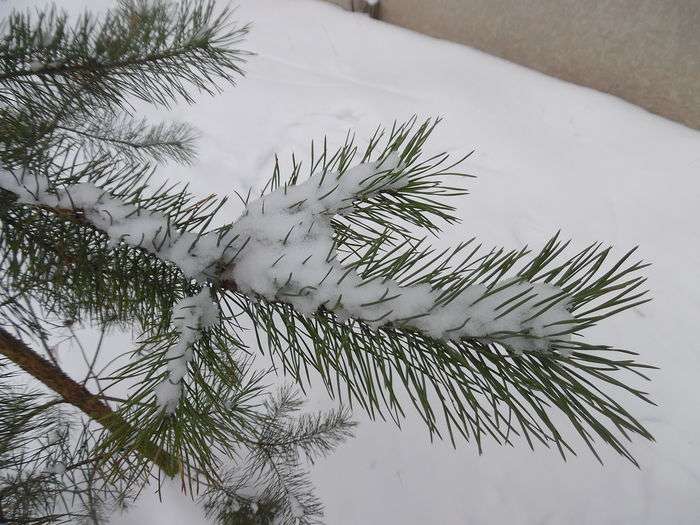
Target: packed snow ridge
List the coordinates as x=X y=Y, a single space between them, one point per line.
x=282 y=249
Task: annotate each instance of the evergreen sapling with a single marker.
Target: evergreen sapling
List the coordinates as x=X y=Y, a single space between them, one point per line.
x=330 y=265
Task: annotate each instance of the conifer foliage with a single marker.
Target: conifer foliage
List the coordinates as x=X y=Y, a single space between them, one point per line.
x=330 y=266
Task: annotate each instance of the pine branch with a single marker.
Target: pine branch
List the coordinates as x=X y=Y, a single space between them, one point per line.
x=44 y=466
x=78 y=396
x=330 y=267
x=133 y=140
x=357 y=292
x=271 y=483
x=155 y=51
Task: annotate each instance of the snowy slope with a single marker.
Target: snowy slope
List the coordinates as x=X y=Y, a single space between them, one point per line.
x=550 y=156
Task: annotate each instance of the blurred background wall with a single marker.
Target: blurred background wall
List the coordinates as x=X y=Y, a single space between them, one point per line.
x=645 y=51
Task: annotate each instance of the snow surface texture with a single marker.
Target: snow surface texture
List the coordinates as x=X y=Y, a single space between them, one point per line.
x=549 y=155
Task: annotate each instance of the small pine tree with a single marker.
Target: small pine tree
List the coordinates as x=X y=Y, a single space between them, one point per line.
x=65 y=92
x=328 y=267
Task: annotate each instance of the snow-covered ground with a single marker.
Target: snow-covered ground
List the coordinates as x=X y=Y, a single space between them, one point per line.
x=549 y=155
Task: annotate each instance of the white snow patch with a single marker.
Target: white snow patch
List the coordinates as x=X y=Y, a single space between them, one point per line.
x=36 y=65
x=58 y=468
x=191 y=315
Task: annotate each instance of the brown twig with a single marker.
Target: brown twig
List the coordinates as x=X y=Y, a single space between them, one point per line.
x=79 y=396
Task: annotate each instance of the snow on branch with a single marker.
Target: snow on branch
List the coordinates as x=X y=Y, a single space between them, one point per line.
x=198 y=256
x=195 y=255
x=283 y=249
x=190 y=316
x=290 y=255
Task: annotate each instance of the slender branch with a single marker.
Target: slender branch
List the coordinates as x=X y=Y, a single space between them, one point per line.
x=40 y=477
x=96 y=67
x=128 y=143
x=79 y=396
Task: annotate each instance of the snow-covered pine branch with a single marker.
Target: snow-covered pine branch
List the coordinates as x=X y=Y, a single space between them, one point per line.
x=289 y=254
x=330 y=269
x=331 y=274
x=283 y=249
